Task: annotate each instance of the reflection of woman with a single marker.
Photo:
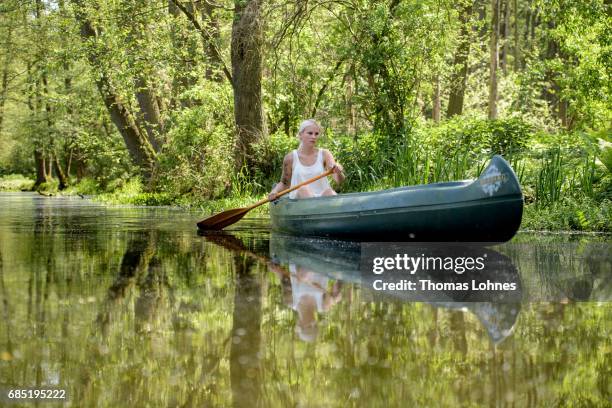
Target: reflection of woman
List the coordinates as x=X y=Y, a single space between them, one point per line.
x=309 y=295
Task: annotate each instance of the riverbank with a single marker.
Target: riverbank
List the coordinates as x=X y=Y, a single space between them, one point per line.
x=577 y=215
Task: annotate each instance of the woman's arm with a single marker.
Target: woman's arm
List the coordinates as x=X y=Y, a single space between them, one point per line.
x=331 y=162
x=285 y=182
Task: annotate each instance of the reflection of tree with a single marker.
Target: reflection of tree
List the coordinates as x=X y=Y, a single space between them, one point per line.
x=136 y=259
x=245 y=370
x=457 y=326
x=152 y=293
x=6 y=318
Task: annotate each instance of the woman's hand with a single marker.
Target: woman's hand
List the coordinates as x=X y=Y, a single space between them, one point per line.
x=338 y=173
x=272 y=196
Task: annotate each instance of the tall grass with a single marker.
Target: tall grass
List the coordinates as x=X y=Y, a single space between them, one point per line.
x=411 y=166
x=424 y=167
x=519 y=166
x=554 y=179
x=583 y=177
x=549 y=182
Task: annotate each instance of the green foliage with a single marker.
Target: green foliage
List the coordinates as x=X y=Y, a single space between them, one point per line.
x=480 y=136
x=605 y=154
x=197 y=158
x=270 y=153
x=132 y=192
x=363 y=159
x=569 y=214
x=48 y=187
x=15 y=182
x=85 y=186
x=581 y=68
x=584 y=177
x=550 y=179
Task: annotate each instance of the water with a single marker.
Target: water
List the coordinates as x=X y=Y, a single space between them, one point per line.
x=125 y=306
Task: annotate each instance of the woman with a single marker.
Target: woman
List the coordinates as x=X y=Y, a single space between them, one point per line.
x=308 y=161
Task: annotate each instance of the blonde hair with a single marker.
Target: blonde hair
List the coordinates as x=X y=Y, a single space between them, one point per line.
x=306 y=123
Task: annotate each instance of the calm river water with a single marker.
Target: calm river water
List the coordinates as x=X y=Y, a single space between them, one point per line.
x=130 y=307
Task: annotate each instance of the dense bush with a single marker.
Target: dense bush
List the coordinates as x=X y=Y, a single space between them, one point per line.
x=197 y=158
x=270 y=153
x=480 y=136
x=15 y=182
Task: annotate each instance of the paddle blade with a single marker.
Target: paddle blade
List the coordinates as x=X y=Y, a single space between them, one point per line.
x=223 y=219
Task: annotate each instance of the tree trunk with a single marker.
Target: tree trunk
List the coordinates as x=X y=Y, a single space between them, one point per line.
x=550 y=92
x=35 y=104
x=504 y=35
x=528 y=16
x=41 y=168
x=517 y=48
x=53 y=162
x=150 y=112
x=183 y=78
x=324 y=87
x=149 y=116
x=494 y=59
x=460 y=62
x=535 y=21
x=63 y=182
x=8 y=47
x=69 y=162
x=351 y=111
x=3 y=93
x=481 y=28
x=211 y=25
x=247 y=38
x=49 y=168
x=563 y=115
x=209 y=39
x=136 y=140
x=81 y=166
x=436 y=100
x=67 y=67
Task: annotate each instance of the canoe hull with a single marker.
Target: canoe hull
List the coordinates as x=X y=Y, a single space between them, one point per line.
x=488 y=209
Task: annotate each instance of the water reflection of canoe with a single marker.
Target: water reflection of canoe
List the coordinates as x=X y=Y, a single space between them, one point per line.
x=486 y=209
x=341 y=260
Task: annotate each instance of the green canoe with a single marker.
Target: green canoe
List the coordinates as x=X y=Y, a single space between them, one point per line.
x=488 y=209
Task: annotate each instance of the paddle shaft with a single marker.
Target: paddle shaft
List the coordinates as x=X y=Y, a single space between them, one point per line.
x=228 y=217
x=290 y=189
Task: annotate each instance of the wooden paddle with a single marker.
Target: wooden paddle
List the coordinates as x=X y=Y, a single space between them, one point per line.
x=229 y=217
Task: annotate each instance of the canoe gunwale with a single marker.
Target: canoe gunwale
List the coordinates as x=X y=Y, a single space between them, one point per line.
x=406 y=209
x=437 y=186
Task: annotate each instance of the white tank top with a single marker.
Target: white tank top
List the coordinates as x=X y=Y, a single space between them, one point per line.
x=301 y=173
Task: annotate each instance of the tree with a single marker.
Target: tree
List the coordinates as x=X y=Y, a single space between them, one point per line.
x=460 y=61
x=494 y=59
x=136 y=140
x=246 y=53
x=6 y=69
